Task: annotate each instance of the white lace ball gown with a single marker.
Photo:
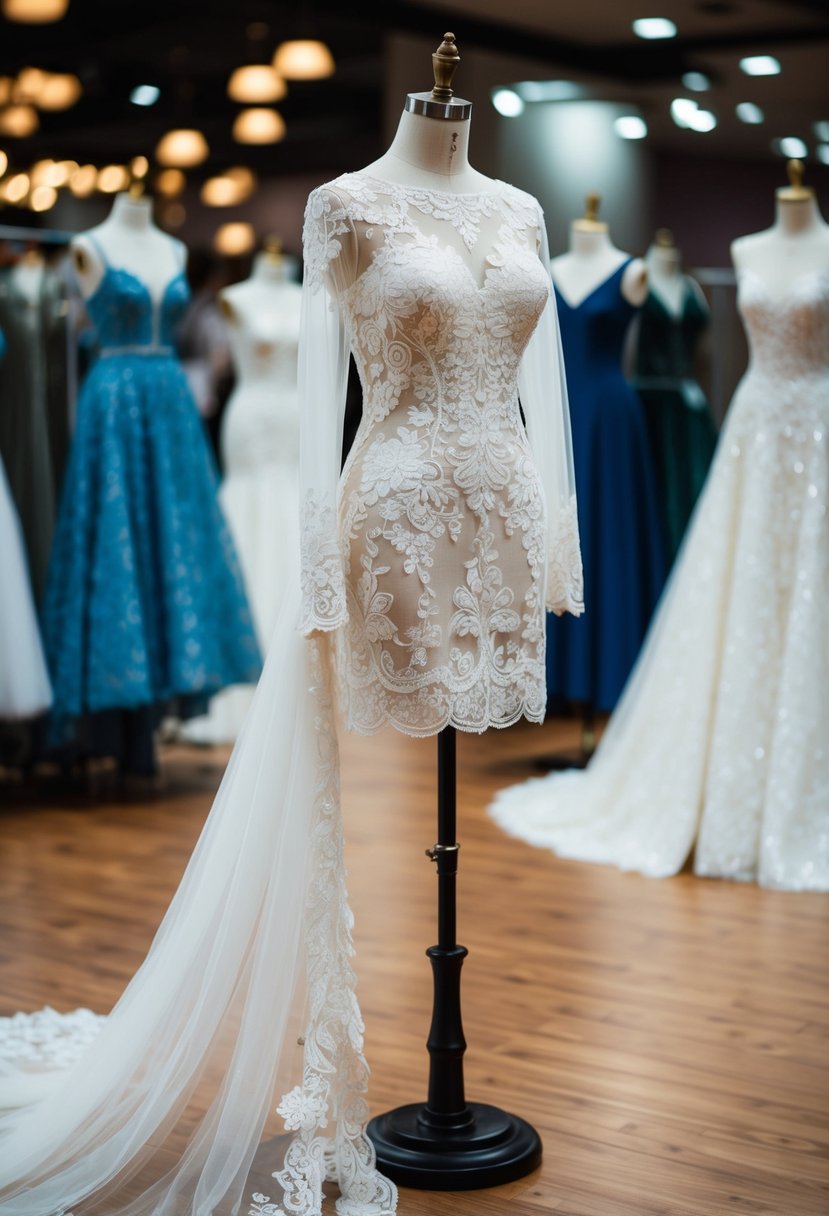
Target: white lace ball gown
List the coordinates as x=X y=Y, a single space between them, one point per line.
x=721 y=741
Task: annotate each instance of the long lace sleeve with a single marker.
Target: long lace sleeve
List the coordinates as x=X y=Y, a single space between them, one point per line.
x=543 y=392
x=329 y=257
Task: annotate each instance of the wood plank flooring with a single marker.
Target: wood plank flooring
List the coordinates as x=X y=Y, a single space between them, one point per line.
x=669 y=1039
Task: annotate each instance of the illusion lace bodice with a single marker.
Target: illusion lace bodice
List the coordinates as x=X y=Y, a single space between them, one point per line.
x=453 y=526
x=788 y=330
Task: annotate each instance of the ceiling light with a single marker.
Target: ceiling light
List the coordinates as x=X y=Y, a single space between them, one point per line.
x=508 y=103
x=303 y=59
x=234 y=239
x=630 y=126
x=683 y=110
x=228 y=189
x=697 y=82
x=16 y=188
x=19 y=121
x=139 y=167
x=654 y=27
x=258 y=126
x=4 y=162
x=52 y=173
x=145 y=95
x=257 y=82
x=549 y=90
x=183 y=148
x=6 y=86
x=748 y=112
x=760 y=65
x=43 y=198
x=29 y=84
x=113 y=178
x=822 y=153
x=821 y=130
x=243 y=177
x=703 y=121
x=82 y=183
x=35 y=12
x=790 y=146
x=170 y=183
x=60 y=91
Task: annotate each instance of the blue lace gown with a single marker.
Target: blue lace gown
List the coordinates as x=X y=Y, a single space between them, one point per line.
x=145 y=608
x=623 y=550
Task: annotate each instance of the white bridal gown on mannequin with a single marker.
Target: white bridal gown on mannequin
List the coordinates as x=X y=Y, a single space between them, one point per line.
x=25 y=690
x=721 y=741
x=429 y=569
x=259 y=493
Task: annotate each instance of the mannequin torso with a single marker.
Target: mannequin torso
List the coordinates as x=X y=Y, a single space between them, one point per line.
x=130 y=241
x=796 y=244
x=591 y=259
x=665 y=277
x=263 y=323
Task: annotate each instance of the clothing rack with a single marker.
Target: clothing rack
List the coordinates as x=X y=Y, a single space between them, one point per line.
x=43 y=236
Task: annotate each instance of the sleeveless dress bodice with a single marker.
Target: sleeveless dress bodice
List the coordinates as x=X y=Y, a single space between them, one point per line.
x=128 y=320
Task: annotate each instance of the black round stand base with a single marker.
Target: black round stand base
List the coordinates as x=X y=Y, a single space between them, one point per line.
x=490 y=1148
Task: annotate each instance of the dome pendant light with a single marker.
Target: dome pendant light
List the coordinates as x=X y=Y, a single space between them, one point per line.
x=182 y=148
x=34 y=12
x=303 y=59
x=256 y=83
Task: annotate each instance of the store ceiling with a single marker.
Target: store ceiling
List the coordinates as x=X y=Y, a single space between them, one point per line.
x=189 y=47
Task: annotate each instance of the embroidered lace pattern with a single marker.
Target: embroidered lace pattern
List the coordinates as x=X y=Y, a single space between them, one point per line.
x=445 y=538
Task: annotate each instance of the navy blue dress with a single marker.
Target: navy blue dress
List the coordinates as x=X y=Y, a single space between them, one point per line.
x=589 y=658
x=145 y=607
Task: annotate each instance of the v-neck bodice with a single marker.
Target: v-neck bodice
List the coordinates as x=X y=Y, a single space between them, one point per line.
x=594 y=330
x=128 y=317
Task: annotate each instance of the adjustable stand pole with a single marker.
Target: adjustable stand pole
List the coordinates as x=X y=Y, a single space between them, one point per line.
x=447 y=1144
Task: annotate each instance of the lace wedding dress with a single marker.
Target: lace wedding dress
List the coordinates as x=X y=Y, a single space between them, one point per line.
x=721 y=741
x=425 y=572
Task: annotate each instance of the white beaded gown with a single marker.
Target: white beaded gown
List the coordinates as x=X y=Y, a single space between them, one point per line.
x=259 y=493
x=720 y=744
x=425 y=573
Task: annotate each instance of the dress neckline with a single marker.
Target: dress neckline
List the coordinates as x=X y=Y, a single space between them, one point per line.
x=390 y=187
x=609 y=279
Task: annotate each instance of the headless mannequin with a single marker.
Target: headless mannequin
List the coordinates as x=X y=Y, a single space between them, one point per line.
x=432 y=153
x=593 y=258
x=796 y=244
x=28 y=275
x=261 y=311
x=665 y=276
x=130 y=241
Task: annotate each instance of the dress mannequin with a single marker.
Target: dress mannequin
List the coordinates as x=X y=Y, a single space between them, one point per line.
x=796 y=244
x=130 y=241
x=28 y=275
x=260 y=453
x=592 y=258
x=664 y=262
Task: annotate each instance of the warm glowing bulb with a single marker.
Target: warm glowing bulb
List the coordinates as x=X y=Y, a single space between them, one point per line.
x=303 y=59
x=258 y=126
x=7 y=85
x=29 y=84
x=234 y=239
x=229 y=189
x=35 y=12
x=82 y=183
x=60 y=90
x=19 y=121
x=16 y=188
x=184 y=147
x=139 y=167
x=43 y=198
x=170 y=183
x=4 y=162
x=257 y=82
x=113 y=178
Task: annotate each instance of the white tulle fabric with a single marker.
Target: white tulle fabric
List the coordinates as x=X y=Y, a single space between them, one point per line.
x=25 y=689
x=721 y=741
x=246 y=1000
x=434 y=555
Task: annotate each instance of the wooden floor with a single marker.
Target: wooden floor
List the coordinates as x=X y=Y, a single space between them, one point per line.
x=669 y=1039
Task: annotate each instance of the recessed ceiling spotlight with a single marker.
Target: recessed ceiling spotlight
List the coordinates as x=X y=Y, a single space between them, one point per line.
x=748 y=112
x=508 y=103
x=697 y=82
x=145 y=95
x=821 y=130
x=703 y=121
x=654 y=27
x=790 y=146
x=630 y=126
x=686 y=113
x=822 y=153
x=760 y=65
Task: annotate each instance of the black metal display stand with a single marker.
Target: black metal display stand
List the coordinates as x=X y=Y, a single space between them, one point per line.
x=447 y=1143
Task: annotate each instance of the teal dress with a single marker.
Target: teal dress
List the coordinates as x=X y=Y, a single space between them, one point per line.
x=678 y=417
x=145 y=610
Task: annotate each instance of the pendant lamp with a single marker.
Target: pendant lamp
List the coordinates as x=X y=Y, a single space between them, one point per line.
x=303 y=59
x=182 y=148
x=234 y=239
x=19 y=121
x=259 y=126
x=256 y=83
x=34 y=12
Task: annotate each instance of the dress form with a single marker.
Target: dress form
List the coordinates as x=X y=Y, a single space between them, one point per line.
x=592 y=258
x=796 y=244
x=130 y=241
x=664 y=262
x=28 y=275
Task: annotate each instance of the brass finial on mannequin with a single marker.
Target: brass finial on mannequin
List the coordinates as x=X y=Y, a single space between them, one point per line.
x=441 y=102
x=590 y=221
x=139 y=168
x=273 y=249
x=795 y=192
